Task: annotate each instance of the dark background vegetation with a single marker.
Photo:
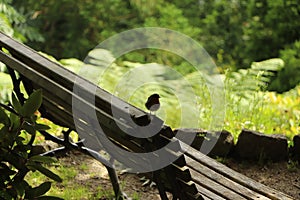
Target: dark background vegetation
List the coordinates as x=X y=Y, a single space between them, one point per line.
x=234 y=32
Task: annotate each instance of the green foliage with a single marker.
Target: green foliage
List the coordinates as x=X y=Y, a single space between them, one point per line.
x=222 y=31
x=161 y=15
x=256 y=78
x=244 y=31
x=165 y=12
x=270 y=26
x=235 y=32
x=74 y=27
x=15 y=23
x=16 y=154
x=5 y=87
x=248 y=104
x=289 y=77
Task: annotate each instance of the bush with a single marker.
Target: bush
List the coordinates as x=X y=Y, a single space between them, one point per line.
x=17 y=157
x=289 y=77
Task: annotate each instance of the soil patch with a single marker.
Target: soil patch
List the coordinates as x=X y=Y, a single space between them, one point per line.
x=280 y=176
x=94 y=177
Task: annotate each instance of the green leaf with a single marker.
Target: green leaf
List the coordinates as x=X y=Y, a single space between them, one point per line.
x=45 y=171
x=14 y=121
x=5 y=195
x=15 y=102
x=32 y=193
x=29 y=128
x=37 y=149
x=42 y=159
x=33 y=119
x=49 y=198
x=41 y=127
x=15 y=160
x=32 y=104
x=20 y=187
x=19 y=141
x=5 y=172
x=5 y=138
x=4 y=118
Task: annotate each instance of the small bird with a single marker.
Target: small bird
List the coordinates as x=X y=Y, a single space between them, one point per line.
x=153 y=103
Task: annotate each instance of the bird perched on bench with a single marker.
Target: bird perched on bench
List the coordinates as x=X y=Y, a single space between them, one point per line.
x=153 y=103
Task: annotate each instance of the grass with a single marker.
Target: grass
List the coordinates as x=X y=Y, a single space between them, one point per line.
x=81 y=180
x=71 y=187
x=292 y=166
x=267 y=112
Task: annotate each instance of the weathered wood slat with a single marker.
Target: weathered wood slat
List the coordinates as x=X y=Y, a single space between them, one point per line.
x=220 y=174
x=182 y=173
x=207 y=194
x=213 y=186
x=235 y=176
x=209 y=173
x=134 y=146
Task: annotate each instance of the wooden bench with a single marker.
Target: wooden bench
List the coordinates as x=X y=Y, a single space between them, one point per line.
x=192 y=175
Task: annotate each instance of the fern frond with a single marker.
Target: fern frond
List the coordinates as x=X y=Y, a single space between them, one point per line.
x=255 y=78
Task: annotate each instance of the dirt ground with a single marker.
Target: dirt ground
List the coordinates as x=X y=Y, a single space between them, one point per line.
x=95 y=177
x=281 y=176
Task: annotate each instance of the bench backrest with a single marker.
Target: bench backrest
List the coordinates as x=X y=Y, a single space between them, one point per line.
x=57 y=84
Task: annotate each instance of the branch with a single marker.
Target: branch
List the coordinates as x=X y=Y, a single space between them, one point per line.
x=8 y=108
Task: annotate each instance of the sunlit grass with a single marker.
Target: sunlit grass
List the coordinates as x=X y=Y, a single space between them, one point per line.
x=69 y=188
x=71 y=192
x=267 y=112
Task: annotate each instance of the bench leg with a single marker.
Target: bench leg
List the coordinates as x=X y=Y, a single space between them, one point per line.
x=160 y=187
x=115 y=183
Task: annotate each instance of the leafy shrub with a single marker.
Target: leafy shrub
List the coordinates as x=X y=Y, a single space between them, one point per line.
x=15 y=24
x=249 y=106
x=289 y=77
x=255 y=78
x=17 y=156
